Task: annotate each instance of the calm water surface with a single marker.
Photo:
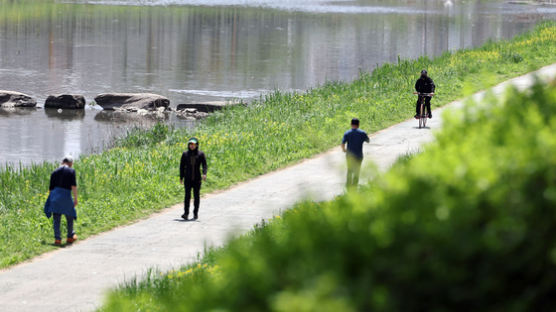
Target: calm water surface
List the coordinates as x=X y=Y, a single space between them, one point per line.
x=207 y=50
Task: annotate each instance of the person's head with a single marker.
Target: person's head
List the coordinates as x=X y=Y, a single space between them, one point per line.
x=68 y=160
x=355 y=123
x=424 y=73
x=192 y=144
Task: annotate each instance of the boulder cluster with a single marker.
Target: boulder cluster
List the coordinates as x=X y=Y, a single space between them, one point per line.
x=141 y=104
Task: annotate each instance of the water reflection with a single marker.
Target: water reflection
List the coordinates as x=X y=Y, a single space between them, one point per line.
x=65 y=114
x=123 y=117
x=196 y=54
x=27 y=136
x=181 y=52
x=7 y=112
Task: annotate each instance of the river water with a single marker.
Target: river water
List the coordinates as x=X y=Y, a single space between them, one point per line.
x=211 y=50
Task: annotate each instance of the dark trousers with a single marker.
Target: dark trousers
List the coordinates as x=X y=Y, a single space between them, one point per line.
x=427 y=104
x=57 y=218
x=353 y=169
x=196 y=186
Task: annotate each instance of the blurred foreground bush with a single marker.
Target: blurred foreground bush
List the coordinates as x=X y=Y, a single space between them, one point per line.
x=470 y=224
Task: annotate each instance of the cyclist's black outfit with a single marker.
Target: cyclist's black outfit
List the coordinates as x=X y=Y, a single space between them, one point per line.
x=424 y=85
x=190 y=173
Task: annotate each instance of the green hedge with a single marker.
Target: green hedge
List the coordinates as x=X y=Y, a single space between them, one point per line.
x=468 y=225
x=126 y=183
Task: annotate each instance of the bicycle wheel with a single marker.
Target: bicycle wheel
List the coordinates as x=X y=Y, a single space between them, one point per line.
x=422 y=117
x=424 y=114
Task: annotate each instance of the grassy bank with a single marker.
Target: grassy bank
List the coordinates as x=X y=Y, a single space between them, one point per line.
x=141 y=176
x=467 y=225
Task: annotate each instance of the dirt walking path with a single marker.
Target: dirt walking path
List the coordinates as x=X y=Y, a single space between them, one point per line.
x=76 y=278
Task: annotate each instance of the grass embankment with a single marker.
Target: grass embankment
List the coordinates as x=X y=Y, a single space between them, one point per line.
x=141 y=176
x=467 y=225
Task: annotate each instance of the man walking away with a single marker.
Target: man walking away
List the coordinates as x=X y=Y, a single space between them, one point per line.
x=354 y=153
x=190 y=175
x=59 y=202
x=424 y=85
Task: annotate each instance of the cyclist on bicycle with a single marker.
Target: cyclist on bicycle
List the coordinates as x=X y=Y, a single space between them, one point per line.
x=424 y=85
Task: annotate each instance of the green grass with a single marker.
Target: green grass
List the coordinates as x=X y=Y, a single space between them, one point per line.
x=141 y=175
x=466 y=225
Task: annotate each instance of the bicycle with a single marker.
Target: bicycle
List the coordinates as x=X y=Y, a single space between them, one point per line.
x=422 y=111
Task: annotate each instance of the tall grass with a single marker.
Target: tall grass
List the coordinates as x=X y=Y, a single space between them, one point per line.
x=467 y=225
x=141 y=175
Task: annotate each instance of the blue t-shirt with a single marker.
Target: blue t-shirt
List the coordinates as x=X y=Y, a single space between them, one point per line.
x=355 y=139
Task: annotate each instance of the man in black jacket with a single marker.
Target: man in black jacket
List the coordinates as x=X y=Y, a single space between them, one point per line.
x=424 y=85
x=190 y=175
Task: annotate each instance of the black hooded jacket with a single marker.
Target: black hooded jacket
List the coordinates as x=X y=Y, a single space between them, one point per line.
x=190 y=165
x=425 y=85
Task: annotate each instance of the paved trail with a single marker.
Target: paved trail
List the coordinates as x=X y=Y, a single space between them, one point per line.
x=75 y=279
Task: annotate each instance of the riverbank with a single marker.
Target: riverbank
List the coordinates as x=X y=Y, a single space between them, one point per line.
x=130 y=182
x=466 y=225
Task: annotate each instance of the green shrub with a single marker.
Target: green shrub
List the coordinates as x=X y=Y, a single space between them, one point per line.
x=138 y=137
x=512 y=56
x=467 y=225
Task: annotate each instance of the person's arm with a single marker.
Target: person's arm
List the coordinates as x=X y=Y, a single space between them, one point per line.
x=51 y=186
x=433 y=86
x=417 y=85
x=74 y=188
x=182 y=167
x=344 y=140
x=367 y=138
x=204 y=164
x=74 y=191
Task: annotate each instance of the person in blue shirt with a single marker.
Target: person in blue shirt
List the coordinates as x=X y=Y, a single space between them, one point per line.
x=354 y=139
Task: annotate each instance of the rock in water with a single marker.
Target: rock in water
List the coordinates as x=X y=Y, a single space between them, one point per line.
x=190 y=114
x=207 y=107
x=132 y=101
x=65 y=101
x=16 y=99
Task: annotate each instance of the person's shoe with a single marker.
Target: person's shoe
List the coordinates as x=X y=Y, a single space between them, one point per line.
x=58 y=242
x=184 y=216
x=430 y=115
x=72 y=239
x=416 y=116
x=195 y=217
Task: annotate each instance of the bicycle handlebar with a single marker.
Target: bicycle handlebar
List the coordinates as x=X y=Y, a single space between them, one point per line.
x=423 y=94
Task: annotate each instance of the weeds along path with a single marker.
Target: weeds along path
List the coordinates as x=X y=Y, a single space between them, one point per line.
x=75 y=278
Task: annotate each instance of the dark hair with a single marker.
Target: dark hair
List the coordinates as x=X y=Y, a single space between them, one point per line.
x=424 y=72
x=355 y=121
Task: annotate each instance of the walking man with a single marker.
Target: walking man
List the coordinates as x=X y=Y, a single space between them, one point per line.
x=354 y=138
x=190 y=176
x=59 y=202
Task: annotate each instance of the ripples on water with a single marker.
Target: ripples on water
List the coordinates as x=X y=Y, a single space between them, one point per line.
x=211 y=50
x=310 y=6
x=242 y=94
